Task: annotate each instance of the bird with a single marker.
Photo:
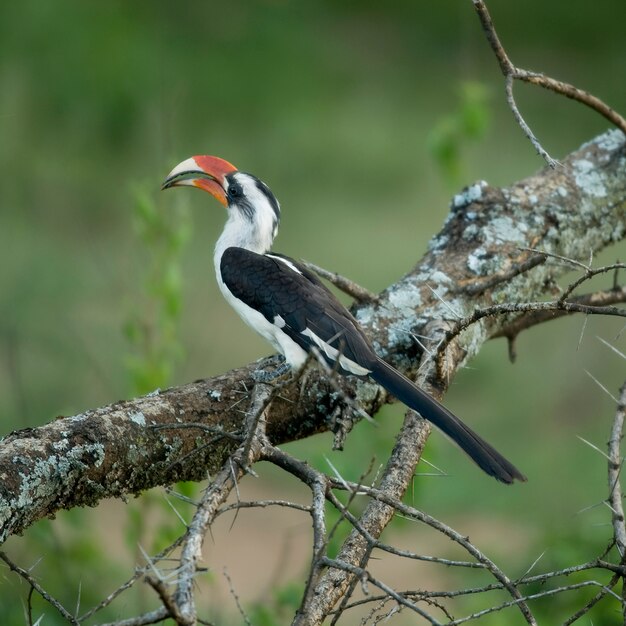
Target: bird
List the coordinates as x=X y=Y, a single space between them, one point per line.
x=288 y=305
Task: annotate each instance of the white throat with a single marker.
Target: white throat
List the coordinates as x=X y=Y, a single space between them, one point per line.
x=240 y=231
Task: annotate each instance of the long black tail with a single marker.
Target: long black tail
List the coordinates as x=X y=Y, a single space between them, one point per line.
x=486 y=457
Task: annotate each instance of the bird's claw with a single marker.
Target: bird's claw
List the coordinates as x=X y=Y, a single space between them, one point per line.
x=266 y=376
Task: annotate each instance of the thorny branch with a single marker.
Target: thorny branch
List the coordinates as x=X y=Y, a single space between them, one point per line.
x=616 y=462
x=512 y=73
x=215 y=495
x=27 y=576
x=426 y=603
x=533 y=313
x=434 y=605
x=359 y=293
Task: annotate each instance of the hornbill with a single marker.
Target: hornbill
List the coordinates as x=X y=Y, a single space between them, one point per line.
x=288 y=305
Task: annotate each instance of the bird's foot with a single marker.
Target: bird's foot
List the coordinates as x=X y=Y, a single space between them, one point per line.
x=265 y=376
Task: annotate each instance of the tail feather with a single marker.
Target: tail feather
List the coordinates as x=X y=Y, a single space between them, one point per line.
x=484 y=455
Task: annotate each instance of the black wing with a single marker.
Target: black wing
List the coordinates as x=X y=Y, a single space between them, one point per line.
x=281 y=288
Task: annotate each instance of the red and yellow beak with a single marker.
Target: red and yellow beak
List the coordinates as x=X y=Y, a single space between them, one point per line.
x=205 y=172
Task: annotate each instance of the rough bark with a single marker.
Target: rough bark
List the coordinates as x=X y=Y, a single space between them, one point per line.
x=131 y=446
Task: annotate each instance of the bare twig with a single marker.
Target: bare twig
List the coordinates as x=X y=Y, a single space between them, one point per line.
x=616 y=461
x=39 y=589
x=153 y=617
x=533 y=596
x=510 y=98
x=139 y=572
x=591 y=303
x=463 y=541
x=362 y=574
x=214 y=496
x=538 y=312
x=480 y=286
x=233 y=593
x=512 y=73
x=593 y=601
x=590 y=273
x=597 y=303
x=375 y=543
x=317 y=482
x=261 y=504
x=360 y=294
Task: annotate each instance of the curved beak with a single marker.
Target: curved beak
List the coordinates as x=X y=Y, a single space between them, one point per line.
x=204 y=172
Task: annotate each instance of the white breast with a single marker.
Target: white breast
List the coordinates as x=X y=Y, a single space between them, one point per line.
x=293 y=353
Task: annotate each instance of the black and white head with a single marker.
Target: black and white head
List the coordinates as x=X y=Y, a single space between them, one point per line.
x=253 y=211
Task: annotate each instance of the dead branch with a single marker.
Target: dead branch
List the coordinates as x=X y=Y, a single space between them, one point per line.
x=616 y=462
x=26 y=575
x=214 y=496
x=512 y=73
x=533 y=313
x=359 y=293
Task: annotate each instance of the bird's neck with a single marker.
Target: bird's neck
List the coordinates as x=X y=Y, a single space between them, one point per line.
x=243 y=232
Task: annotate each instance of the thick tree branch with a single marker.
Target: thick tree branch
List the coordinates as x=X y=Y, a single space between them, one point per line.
x=131 y=446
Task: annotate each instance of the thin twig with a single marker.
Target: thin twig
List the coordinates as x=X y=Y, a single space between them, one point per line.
x=415 y=514
x=139 y=572
x=254 y=504
x=233 y=593
x=510 y=98
x=361 y=574
x=480 y=286
x=153 y=617
x=593 y=601
x=512 y=73
x=317 y=482
x=375 y=543
x=168 y=601
x=531 y=318
x=590 y=273
x=360 y=294
x=215 y=495
x=615 y=465
x=597 y=303
x=39 y=589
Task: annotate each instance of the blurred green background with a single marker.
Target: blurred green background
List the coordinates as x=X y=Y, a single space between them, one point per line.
x=364 y=118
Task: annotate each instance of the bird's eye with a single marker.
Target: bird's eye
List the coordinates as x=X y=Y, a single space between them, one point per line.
x=234 y=191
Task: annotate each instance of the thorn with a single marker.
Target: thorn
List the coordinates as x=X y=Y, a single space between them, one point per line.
x=582 y=332
x=532 y=566
x=440 y=471
x=458 y=316
x=611 y=346
x=602 y=386
x=337 y=474
x=591 y=445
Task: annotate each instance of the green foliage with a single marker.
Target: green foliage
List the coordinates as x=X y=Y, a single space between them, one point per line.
x=152 y=332
x=67 y=540
x=563 y=549
x=152 y=327
x=279 y=607
x=453 y=132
